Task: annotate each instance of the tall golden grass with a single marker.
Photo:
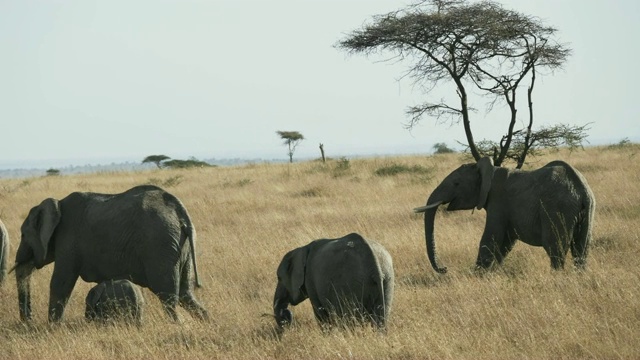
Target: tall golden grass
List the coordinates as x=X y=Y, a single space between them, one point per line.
x=248 y=217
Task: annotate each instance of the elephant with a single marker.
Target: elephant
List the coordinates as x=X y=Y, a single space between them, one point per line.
x=552 y=207
x=114 y=299
x=144 y=235
x=346 y=278
x=4 y=252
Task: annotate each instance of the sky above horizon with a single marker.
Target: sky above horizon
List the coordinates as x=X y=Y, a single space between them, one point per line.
x=88 y=82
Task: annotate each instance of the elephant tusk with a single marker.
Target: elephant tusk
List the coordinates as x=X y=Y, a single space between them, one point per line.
x=14 y=267
x=422 y=209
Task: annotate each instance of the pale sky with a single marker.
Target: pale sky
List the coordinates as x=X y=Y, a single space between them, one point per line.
x=92 y=81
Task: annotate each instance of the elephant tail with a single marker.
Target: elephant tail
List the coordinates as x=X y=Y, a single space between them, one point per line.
x=191 y=234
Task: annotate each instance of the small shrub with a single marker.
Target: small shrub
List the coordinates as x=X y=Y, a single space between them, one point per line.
x=53 y=172
x=312 y=192
x=172 y=181
x=169 y=182
x=622 y=143
x=396 y=169
x=342 y=167
x=239 y=183
x=343 y=164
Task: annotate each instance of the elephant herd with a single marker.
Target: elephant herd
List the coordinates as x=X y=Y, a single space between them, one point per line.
x=144 y=237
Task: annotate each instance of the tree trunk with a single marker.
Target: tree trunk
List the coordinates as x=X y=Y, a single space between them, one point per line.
x=322 y=152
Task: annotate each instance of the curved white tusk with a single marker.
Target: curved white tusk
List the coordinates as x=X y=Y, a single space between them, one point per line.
x=427 y=207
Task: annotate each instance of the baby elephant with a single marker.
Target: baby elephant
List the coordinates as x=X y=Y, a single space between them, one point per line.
x=349 y=278
x=115 y=299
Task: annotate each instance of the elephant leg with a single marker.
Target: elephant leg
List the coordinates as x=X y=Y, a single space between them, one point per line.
x=555 y=239
x=169 y=301
x=322 y=314
x=186 y=298
x=505 y=247
x=580 y=245
x=490 y=247
x=555 y=247
x=165 y=285
x=62 y=283
x=579 y=254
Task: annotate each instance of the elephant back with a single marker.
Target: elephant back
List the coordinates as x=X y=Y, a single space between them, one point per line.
x=348 y=269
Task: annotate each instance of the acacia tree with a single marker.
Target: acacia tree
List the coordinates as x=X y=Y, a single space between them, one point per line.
x=479 y=45
x=156 y=159
x=291 y=139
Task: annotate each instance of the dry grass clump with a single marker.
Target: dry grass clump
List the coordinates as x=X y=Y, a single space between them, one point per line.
x=248 y=217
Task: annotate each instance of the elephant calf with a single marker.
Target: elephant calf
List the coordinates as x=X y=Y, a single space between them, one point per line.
x=347 y=278
x=114 y=299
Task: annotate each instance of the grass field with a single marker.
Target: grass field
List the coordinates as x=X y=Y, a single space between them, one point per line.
x=248 y=217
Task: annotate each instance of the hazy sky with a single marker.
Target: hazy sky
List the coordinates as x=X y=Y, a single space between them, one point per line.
x=98 y=81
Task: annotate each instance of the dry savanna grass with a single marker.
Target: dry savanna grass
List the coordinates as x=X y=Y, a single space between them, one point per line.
x=248 y=217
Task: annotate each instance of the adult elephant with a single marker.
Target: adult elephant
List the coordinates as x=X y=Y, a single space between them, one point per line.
x=143 y=234
x=348 y=277
x=4 y=252
x=552 y=207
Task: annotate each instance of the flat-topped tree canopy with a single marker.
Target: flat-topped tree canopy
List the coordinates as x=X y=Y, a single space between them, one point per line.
x=480 y=45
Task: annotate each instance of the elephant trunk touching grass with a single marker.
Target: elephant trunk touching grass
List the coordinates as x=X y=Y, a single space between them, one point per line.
x=429 y=218
x=551 y=207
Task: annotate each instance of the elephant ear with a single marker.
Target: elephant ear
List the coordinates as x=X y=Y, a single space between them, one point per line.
x=295 y=266
x=485 y=167
x=39 y=227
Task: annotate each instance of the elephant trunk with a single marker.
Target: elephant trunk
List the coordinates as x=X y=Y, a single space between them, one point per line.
x=23 y=280
x=429 y=217
x=280 y=306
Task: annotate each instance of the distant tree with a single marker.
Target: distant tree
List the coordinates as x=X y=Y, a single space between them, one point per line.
x=156 y=159
x=291 y=139
x=442 y=148
x=183 y=164
x=479 y=45
x=53 y=172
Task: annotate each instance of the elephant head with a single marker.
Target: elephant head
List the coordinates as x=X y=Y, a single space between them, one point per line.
x=463 y=189
x=34 y=252
x=291 y=284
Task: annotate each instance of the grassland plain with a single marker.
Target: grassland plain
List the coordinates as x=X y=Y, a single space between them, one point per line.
x=248 y=217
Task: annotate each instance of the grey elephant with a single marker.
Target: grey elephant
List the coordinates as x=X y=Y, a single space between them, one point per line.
x=4 y=252
x=143 y=234
x=114 y=300
x=552 y=207
x=346 y=278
